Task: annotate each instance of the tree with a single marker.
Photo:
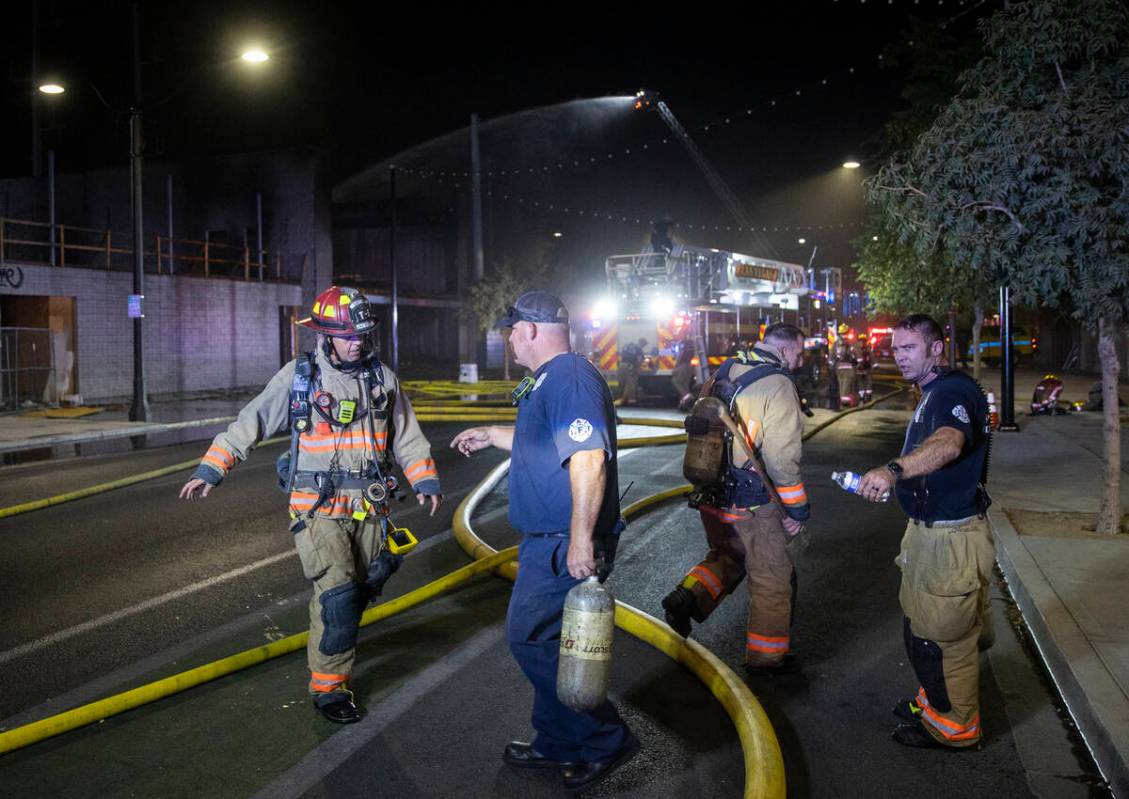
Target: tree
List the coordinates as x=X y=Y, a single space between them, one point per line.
x=899 y=281
x=1024 y=176
x=488 y=299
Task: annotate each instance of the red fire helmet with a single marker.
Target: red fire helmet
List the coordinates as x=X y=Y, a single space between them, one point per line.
x=341 y=312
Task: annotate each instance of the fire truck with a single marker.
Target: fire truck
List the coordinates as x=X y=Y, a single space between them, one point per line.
x=708 y=300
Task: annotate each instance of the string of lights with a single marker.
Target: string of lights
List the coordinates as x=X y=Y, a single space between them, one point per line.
x=641 y=220
x=719 y=122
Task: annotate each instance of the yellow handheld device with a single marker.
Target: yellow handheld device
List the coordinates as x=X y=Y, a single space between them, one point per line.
x=401 y=541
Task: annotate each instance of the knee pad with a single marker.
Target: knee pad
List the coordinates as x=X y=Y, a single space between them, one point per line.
x=929 y=664
x=380 y=569
x=340 y=613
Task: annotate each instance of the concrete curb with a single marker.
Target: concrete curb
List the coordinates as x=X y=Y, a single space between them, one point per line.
x=130 y=429
x=1095 y=700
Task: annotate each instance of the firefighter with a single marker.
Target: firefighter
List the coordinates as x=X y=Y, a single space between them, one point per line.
x=864 y=365
x=682 y=376
x=349 y=422
x=630 y=362
x=563 y=498
x=749 y=538
x=947 y=552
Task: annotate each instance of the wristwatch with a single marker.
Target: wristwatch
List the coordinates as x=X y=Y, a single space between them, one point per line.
x=895 y=468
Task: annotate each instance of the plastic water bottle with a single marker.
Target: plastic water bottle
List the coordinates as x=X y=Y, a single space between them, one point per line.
x=849 y=481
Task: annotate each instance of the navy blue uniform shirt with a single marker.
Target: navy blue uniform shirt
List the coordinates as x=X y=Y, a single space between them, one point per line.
x=569 y=410
x=950 y=493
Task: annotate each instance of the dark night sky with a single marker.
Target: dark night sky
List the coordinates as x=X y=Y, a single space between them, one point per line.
x=365 y=83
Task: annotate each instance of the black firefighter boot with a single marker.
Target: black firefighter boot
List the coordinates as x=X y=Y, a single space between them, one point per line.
x=338 y=707
x=679 y=607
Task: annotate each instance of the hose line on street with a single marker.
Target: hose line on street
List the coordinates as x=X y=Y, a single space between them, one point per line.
x=763 y=760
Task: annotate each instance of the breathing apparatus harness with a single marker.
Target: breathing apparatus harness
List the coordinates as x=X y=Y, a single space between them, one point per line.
x=717 y=481
x=376 y=482
x=981 y=436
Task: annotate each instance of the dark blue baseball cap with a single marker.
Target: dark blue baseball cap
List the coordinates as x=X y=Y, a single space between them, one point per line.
x=535 y=306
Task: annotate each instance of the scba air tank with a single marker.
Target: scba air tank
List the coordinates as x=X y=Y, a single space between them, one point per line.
x=587 y=629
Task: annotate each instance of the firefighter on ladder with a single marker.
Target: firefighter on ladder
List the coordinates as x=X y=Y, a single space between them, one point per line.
x=349 y=421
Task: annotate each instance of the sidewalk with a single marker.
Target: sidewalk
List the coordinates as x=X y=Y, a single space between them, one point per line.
x=1071 y=584
x=26 y=430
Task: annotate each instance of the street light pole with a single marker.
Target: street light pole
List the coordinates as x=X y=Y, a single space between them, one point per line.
x=139 y=411
x=395 y=274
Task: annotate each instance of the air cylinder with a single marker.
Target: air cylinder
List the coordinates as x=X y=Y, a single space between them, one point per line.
x=587 y=629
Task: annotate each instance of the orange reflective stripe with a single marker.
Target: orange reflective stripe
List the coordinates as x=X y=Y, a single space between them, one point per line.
x=764 y=643
x=332 y=442
x=792 y=495
x=219 y=459
x=950 y=730
x=733 y=515
x=334 y=506
x=420 y=469
x=221 y=454
x=324 y=683
x=708 y=580
x=218 y=464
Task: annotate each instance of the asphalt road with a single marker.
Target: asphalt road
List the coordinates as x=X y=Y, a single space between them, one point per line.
x=111 y=591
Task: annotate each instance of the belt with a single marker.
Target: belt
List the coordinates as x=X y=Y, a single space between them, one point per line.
x=341 y=480
x=946 y=522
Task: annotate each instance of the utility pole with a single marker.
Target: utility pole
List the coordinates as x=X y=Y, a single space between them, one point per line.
x=476 y=198
x=395 y=277
x=36 y=140
x=1007 y=375
x=139 y=411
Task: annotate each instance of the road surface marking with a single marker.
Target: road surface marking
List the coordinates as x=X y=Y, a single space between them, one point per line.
x=311 y=770
x=133 y=610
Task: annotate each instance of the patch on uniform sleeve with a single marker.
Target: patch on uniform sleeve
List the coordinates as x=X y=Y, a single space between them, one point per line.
x=580 y=430
x=960 y=413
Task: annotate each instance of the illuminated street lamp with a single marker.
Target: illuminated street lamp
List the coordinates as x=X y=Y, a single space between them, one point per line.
x=139 y=409
x=851 y=165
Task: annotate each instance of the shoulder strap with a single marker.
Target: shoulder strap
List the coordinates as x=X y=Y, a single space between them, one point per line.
x=305 y=375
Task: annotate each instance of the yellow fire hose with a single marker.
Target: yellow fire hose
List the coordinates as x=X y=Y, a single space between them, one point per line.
x=763 y=760
x=151 y=692
x=764 y=763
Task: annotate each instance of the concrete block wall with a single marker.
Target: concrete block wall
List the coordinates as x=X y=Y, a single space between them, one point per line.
x=201 y=334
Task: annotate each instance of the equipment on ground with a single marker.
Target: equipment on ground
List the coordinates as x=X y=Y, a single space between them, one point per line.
x=587 y=632
x=1046 y=396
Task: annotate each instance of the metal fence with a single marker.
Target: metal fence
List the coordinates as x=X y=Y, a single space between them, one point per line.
x=27 y=367
x=26 y=241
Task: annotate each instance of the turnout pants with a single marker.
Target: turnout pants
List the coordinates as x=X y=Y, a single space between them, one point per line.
x=629 y=381
x=533 y=630
x=750 y=545
x=335 y=555
x=944 y=595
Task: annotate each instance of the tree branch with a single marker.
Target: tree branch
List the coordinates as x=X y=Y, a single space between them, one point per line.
x=907 y=187
x=987 y=206
x=1061 y=81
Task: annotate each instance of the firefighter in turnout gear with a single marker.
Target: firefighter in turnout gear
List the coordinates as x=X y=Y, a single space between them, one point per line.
x=947 y=553
x=350 y=422
x=752 y=534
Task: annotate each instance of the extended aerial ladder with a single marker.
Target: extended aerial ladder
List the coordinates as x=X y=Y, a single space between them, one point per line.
x=645 y=100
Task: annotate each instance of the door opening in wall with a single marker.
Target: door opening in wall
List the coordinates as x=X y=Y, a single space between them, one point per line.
x=288 y=316
x=38 y=351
